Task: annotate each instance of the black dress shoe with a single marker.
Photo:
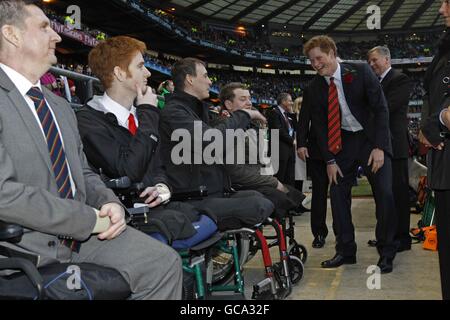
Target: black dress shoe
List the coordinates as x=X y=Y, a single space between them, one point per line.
x=318 y=242
x=372 y=243
x=338 y=261
x=385 y=264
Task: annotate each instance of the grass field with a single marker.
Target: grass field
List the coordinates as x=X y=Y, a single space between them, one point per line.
x=362 y=189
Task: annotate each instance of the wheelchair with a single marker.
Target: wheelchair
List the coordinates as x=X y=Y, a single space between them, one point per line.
x=25 y=281
x=193 y=250
x=223 y=255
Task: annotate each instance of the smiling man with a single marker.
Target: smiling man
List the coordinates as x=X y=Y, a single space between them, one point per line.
x=351 y=120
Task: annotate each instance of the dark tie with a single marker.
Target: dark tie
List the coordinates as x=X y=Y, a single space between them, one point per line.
x=55 y=149
x=132 y=124
x=334 y=119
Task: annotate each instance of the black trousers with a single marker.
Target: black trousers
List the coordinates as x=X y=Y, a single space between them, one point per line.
x=443 y=234
x=241 y=209
x=286 y=169
x=356 y=149
x=400 y=189
x=283 y=202
x=317 y=170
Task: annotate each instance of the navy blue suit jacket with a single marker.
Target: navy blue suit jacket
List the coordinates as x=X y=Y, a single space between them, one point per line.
x=365 y=99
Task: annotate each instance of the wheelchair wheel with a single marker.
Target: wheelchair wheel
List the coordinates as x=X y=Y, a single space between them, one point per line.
x=223 y=263
x=295 y=269
x=299 y=251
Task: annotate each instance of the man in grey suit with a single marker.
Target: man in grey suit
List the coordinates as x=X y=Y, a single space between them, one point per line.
x=46 y=184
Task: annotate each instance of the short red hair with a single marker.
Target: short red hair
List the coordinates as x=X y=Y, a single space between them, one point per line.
x=113 y=52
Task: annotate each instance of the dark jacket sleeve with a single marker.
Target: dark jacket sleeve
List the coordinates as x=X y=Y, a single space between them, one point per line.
x=378 y=106
x=397 y=98
x=304 y=122
x=432 y=127
x=120 y=158
x=274 y=122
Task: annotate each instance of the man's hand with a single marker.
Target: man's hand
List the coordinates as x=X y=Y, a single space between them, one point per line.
x=282 y=188
x=146 y=97
x=153 y=198
x=255 y=115
x=303 y=153
x=376 y=159
x=332 y=171
x=116 y=214
x=446 y=117
x=426 y=143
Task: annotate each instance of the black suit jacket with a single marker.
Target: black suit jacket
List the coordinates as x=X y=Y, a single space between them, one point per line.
x=437 y=98
x=306 y=135
x=276 y=120
x=397 y=89
x=112 y=148
x=366 y=101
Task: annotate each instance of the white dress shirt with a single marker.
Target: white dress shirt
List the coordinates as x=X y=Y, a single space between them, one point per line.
x=348 y=121
x=24 y=85
x=286 y=117
x=119 y=111
x=384 y=74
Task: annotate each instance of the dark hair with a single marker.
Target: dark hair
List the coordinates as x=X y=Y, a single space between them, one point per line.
x=227 y=91
x=281 y=97
x=182 y=68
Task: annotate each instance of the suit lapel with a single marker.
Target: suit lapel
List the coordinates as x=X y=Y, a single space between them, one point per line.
x=28 y=118
x=345 y=69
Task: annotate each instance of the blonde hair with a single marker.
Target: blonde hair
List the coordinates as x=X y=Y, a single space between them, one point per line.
x=297 y=105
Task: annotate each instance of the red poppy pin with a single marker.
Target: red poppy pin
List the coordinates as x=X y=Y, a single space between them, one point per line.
x=349 y=76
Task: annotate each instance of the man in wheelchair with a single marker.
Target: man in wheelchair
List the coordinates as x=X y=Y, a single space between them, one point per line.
x=46 y=184
x=119 y=131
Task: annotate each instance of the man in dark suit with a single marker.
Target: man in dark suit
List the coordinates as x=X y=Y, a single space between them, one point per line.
x=435 y=133
x=280 y=118
x=397 y=89
x=351 y=121
x=308 y=150
x=46 y=183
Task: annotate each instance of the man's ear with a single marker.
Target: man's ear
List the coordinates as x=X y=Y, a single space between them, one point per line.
x=227 y=104
x=119 y=74
x=11 y=34
x=189 y=79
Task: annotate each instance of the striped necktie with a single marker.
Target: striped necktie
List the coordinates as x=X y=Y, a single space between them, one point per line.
x=334 y=119
x=55 y=149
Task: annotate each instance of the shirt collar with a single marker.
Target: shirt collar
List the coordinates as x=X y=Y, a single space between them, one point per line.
x=336 y=75
x=22 y=84
x=118 y=110
x=385 y=73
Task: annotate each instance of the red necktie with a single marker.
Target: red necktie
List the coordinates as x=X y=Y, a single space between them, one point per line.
x=334 y=120
x=132 y=124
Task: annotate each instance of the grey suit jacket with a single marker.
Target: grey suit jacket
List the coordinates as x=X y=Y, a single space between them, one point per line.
x=28 y=191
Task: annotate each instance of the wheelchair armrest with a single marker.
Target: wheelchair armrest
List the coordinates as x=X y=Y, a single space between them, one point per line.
x=199 y=194
x=30 y=271
x=10 y=232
